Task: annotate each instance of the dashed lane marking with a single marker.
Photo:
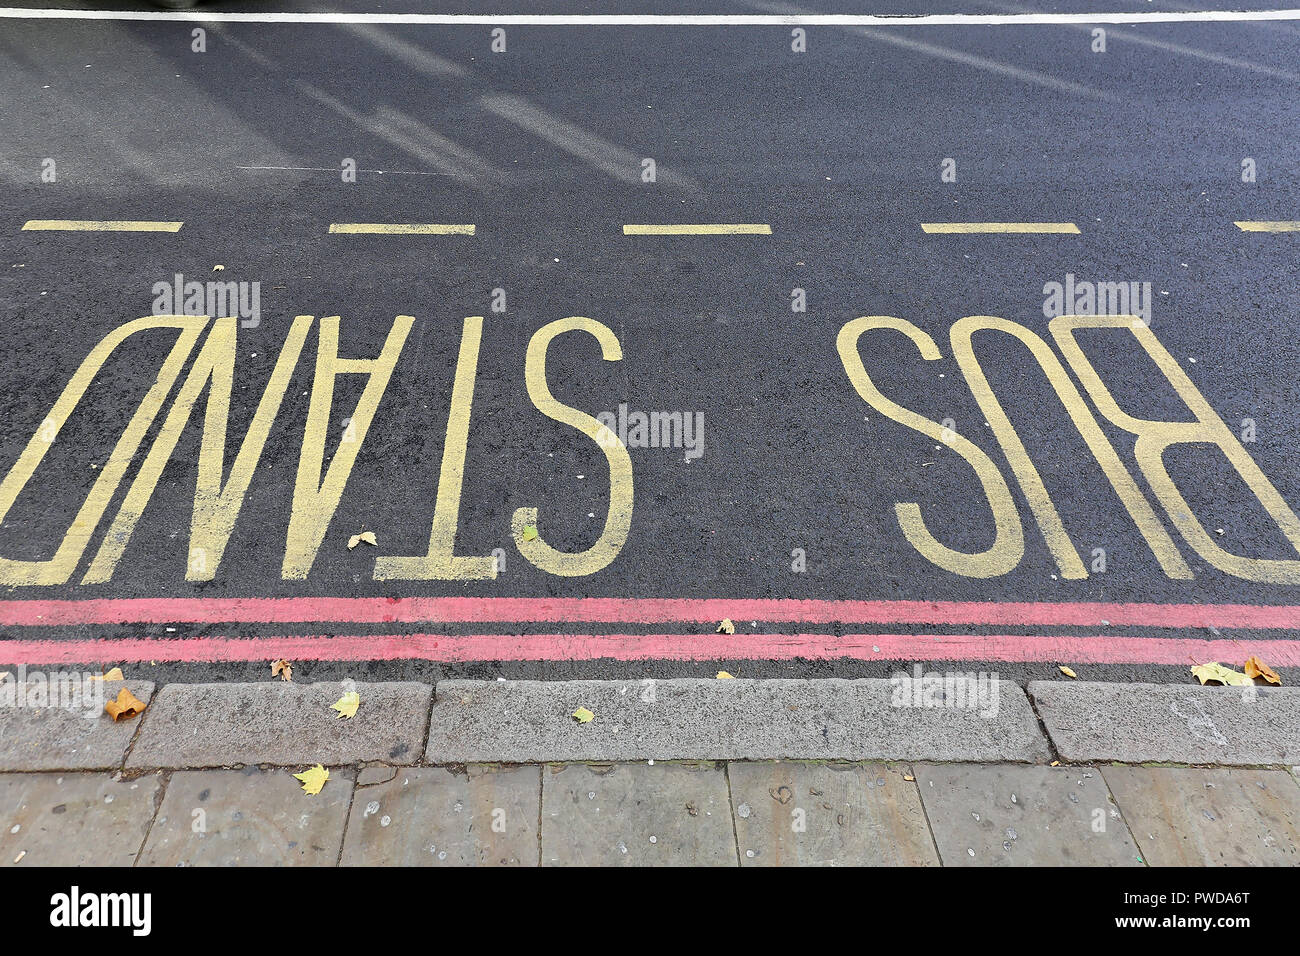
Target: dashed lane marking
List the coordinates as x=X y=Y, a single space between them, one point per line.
x=699 y=229
x=1283 y=225
x=403 y=228
x=1067 y=228
x=101 y=225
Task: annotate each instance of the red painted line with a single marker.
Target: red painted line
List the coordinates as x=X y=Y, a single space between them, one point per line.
x=451 y=610
x=1075 y=650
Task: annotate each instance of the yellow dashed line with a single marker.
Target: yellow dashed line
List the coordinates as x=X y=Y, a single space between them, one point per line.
x=403 y=228
x=700 y=229
x=102 y=225
x=1279 y=226
x=970 y=227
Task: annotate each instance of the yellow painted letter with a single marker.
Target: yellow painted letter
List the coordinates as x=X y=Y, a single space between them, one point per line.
x=619 y=519
x=1009 y=542
x=59 y=568
x=1154 y=437
x=314 y=501
x=441 y=563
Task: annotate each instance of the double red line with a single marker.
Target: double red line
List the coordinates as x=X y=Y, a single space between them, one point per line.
x=697 y=618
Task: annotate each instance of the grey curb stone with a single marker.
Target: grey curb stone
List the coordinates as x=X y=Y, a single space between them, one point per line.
x=57 y=738
x=693 y=719
x=1172 y=723
x=217 y=725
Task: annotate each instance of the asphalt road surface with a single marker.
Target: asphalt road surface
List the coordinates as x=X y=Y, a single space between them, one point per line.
x=884 y=442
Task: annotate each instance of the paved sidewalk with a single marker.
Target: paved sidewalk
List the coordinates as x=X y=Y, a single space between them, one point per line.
x=683 y=772
x=765 y=813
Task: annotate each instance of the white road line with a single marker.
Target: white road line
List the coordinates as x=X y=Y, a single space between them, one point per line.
x=335 y=169
x=655 y=20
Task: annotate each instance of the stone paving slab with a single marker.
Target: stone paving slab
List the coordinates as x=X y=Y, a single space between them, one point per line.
x=65 y=738
x=1024 y=816
x=802 y=814
x=429 y=816
x=218 y=725
x=1170 y=723
x=636 y=815
x=1188 y=817
x=692 y=719
x=248 y=817
x=74 y=819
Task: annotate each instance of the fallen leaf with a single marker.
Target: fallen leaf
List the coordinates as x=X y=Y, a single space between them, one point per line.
x=347 y=704
x=723 y=675
x=1257 y=668
x=1066 y=671
x=909 y=778
x=126 y=706
x=529 y=532
x=282 y=669
x=367 y=536
x=583 y=716
x=1055 y=763
x=313 y=779
x=114 y=674
x=218 y=268
x=726 y=627
x=1215 y=671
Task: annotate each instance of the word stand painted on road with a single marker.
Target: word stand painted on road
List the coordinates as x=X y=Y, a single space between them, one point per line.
x=315 y=497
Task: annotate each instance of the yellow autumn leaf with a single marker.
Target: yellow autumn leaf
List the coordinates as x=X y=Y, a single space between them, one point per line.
x=313 y=779
x=529 y=532
x=114 y=674
x=723 y=675
x=347 y=704
x=282 y=669
x=726 y=627
x=1215 y=671
x=583 y=716
x=1256 y=668
x=1066 y=671
x=367 y=536
x=125 y=707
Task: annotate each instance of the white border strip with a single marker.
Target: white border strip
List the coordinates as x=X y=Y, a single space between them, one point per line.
x=653 y=20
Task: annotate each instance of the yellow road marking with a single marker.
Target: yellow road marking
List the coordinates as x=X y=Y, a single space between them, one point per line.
x=699 y=229
x=970 y=227
x=101 y=225
x=1280 y=226
x=403 y=228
